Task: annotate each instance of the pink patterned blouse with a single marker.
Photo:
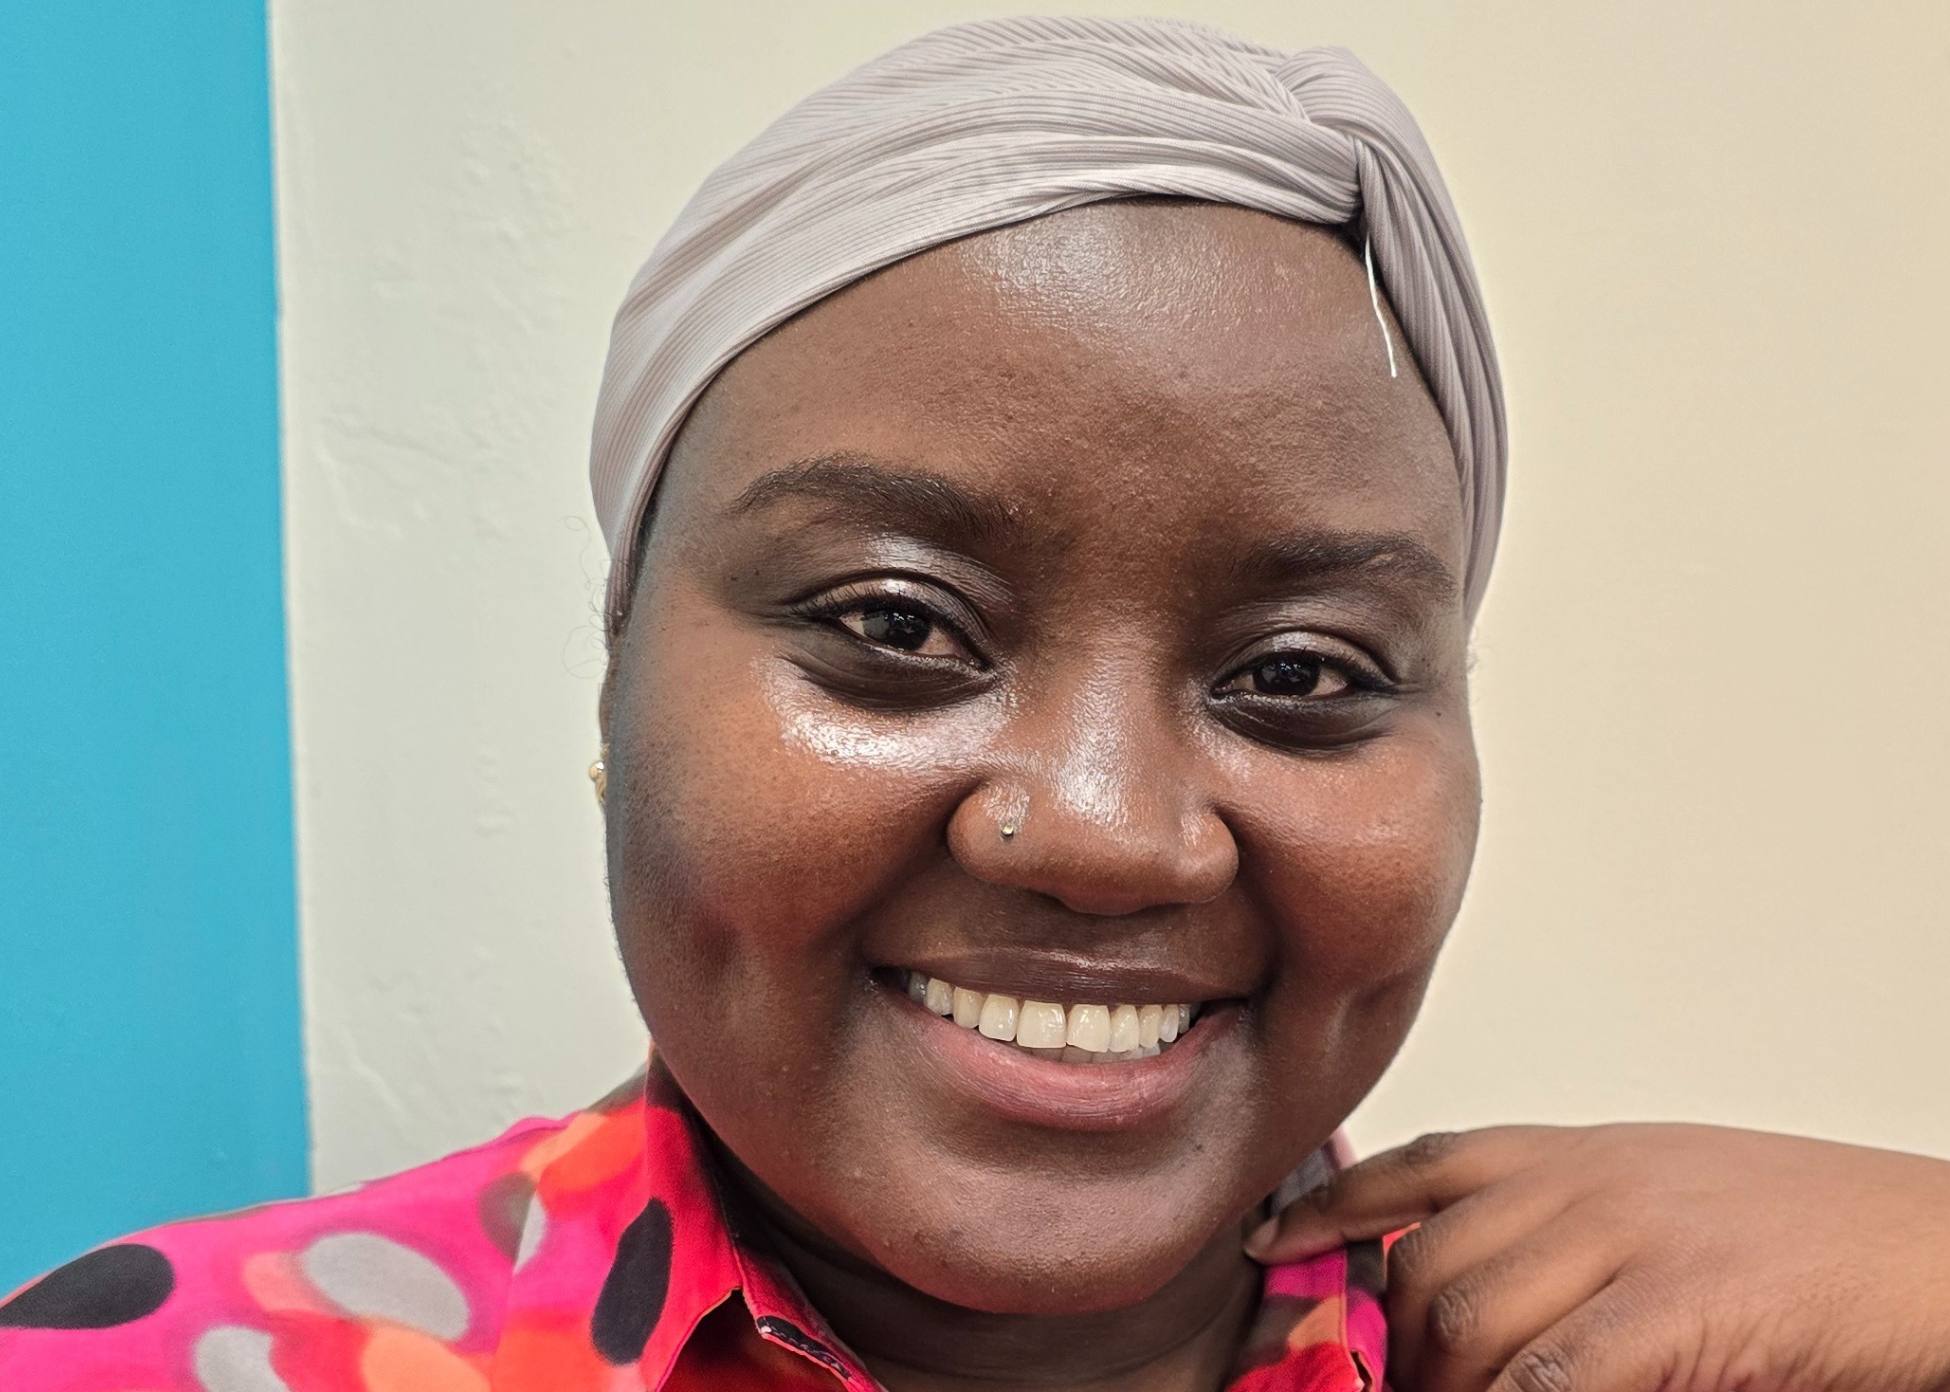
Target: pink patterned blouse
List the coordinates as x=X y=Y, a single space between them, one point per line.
x=595 y=1253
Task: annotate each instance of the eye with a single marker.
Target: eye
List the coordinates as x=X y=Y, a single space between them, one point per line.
x=903 y=626
x=1291 y=674
x=892 y=616
x=1302 y=698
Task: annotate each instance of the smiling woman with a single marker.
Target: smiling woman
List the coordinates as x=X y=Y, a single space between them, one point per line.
x=1051 y=476
x=1227 y=727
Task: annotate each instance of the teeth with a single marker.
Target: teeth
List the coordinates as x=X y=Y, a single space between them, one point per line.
x=1087 y=1033
x=1089 y=1028
x=998 y=1018
x=1040 y=1025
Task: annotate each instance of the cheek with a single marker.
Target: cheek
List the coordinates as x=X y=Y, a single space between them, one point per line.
x=1360 y=866
x=757 y=817
x=1364 y=861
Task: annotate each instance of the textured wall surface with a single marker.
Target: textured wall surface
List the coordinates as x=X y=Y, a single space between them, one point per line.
x=149 y=1041
x=1708 y=674
x=454 y=216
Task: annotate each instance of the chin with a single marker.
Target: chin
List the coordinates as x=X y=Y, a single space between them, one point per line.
x=1030 y=1253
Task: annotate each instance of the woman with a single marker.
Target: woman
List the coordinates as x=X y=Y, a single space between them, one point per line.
x=1039 y=780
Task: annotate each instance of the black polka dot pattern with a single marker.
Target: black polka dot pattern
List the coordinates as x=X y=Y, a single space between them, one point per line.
x=633 y=1293
x=115 y=1285
x=582 y=1247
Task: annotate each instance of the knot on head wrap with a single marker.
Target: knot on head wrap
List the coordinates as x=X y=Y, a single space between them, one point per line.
x=979 y=125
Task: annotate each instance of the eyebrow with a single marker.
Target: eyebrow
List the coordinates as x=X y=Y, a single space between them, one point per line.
x=930 y=503
x=1310 y=557
x=867 y=484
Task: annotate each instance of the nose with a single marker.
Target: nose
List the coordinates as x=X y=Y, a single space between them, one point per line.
x=1105 y=808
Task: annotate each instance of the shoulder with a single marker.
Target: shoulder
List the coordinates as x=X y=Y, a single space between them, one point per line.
x=406 y=1273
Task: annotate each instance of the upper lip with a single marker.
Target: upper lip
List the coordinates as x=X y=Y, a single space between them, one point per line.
x=1073 y=978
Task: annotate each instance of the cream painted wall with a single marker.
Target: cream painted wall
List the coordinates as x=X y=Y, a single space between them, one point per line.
x=1711 y=672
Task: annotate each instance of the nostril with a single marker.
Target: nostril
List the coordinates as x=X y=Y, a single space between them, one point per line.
x=1102 y=846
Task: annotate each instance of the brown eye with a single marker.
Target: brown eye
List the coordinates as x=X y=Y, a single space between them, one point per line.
x=1294 y=674
x=903 y=628
x=897 y=628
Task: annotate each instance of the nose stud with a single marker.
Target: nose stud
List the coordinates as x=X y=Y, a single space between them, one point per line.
x=1012 y=823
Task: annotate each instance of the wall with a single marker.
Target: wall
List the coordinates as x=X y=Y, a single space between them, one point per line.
x=149 y=1040
x=1709 y=674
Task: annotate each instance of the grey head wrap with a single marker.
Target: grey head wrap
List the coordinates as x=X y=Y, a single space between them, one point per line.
x=980 y=125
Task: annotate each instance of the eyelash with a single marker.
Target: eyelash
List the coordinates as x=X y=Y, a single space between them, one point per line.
x=1359 y=682
x=831 y=606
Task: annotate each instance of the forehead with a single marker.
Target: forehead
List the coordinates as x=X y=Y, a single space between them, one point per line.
x=1223 y=365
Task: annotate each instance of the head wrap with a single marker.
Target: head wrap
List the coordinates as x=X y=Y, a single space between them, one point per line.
x=979 y=125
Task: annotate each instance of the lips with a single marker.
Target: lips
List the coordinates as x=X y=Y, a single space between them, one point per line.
x=1052 y=976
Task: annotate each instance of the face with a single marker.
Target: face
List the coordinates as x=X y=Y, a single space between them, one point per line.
x=1068 y=615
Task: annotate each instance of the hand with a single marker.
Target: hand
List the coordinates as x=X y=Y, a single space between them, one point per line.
x=1636 y=1258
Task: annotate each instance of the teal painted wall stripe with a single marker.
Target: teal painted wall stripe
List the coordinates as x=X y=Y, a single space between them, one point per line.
x=150 y=1050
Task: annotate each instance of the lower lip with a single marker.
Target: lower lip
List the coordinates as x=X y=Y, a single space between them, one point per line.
x=1003 y=1079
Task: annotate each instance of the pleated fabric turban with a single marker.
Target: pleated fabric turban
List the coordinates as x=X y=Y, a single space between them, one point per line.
x=979 y=125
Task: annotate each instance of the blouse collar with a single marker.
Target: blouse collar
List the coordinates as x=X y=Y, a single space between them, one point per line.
x=634 y=1177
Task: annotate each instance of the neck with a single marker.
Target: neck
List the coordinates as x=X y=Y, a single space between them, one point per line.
x=1184 y=1338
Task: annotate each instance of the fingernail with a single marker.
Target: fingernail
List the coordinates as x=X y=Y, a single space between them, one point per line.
x=1262 y=1237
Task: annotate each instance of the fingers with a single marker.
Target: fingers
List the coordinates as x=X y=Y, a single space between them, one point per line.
x=1433 y=1272
x=1605 y=1345
x=1475 y=1320
x=1394 y=1189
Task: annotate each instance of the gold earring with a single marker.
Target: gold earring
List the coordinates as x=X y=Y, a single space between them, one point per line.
x=599 y=774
